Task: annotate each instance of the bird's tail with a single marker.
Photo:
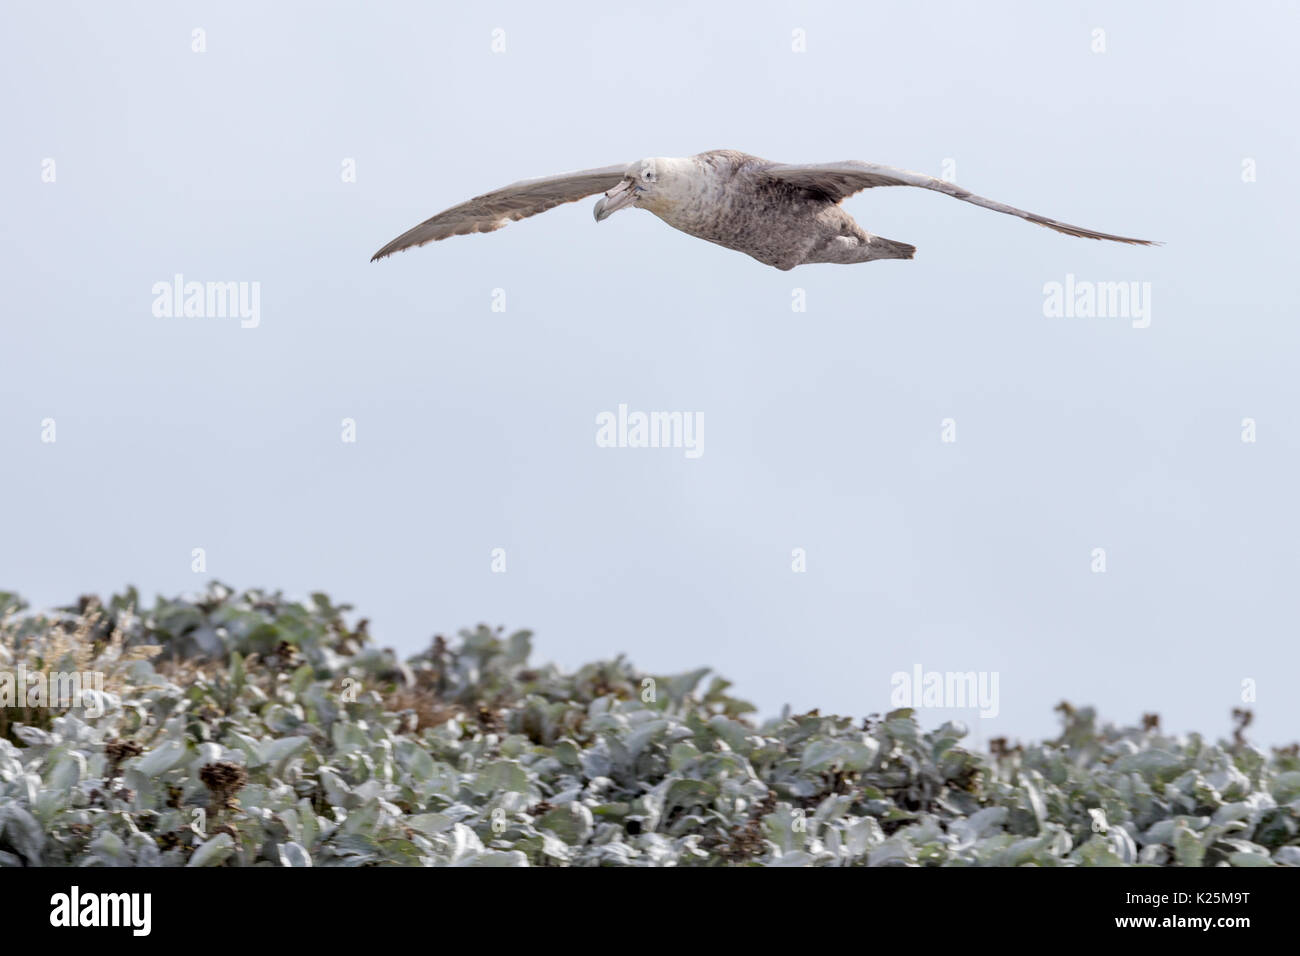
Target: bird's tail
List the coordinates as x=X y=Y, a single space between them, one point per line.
x=882 y=248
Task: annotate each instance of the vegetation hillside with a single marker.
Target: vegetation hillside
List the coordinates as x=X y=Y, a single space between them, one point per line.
x=244 y=729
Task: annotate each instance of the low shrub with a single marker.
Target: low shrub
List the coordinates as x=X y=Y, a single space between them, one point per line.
x=246 y=729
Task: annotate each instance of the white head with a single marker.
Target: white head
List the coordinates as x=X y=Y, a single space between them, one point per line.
x=656 y=184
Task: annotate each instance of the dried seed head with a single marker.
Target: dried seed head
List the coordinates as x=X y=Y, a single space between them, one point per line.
x=224 y=779
x=119 y=750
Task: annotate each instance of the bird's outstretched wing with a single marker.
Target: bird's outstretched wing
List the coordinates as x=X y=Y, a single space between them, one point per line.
x=516 y=201
x=838 y=180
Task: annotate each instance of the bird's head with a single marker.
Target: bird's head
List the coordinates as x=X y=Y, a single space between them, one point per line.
x=649 y=183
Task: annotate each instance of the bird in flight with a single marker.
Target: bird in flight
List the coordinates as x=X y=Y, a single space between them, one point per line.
x=782 y=215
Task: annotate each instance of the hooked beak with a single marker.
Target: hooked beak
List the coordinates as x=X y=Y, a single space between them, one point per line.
x=621 y=195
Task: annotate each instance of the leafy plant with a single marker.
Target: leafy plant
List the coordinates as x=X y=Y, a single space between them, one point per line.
x=246 y=729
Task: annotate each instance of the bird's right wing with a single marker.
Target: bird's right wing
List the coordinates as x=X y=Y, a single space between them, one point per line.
x=516 y=201
x=839 y=180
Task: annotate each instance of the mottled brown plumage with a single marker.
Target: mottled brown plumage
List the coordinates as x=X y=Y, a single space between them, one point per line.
x=782 y=215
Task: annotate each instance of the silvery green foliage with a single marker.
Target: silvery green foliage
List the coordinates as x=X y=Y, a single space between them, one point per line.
x=467 y=756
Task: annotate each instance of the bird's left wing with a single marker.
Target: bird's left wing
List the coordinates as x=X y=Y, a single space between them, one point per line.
x=838 y=180
x=516 y=201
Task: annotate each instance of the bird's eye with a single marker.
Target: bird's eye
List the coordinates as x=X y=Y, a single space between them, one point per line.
x=647 y=175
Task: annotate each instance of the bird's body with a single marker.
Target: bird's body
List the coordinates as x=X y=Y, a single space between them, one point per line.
x=781 y=215
x=736 y=204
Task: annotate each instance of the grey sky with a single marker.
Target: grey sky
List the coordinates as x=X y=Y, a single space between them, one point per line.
x=476 y=429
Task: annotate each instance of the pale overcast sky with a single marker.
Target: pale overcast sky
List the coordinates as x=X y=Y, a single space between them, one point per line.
x=475 y=428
